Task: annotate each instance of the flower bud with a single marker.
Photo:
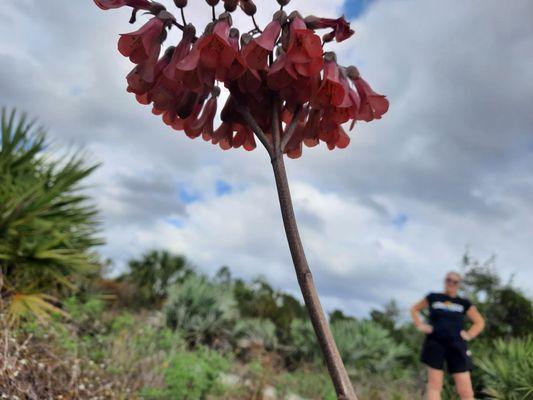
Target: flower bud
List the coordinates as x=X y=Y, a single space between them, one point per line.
x=209 y=28
x=283 y=2
x=166 y=17
x=294 y=14
x=226 y=15
x=312 y=22
x=189 y=31
x=246 y=38
x=156 y=8
x=330 y=56
x=215 y=92
x=328 y=37
x=234 y=33
x=248 y=7
x=231 y=5
x=280 y=16
x=352 y=72
x=212 y=3
x=180 y=3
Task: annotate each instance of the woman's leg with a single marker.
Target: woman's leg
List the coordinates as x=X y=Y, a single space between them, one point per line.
x=434 y=387
x=463 y=384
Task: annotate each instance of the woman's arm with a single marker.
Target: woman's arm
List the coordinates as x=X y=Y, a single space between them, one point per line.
x=478 y=324
x=415 y=315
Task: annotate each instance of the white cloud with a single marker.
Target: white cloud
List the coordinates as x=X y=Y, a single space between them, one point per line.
x=453 y=157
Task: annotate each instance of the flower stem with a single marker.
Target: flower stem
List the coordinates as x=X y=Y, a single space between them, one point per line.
x=183 y=17
x=337 y=371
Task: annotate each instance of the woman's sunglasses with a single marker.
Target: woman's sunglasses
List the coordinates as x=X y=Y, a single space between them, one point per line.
x=452 y=281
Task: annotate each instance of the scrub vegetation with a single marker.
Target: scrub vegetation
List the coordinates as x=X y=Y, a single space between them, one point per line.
x=163 y=330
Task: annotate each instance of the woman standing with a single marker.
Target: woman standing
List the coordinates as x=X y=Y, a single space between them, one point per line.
x=446 y=340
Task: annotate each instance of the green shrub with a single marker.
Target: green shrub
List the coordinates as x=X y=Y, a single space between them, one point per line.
x=304 y=346
x=365 y=347
x=85 y=314
x=258 y=299
x=309 y=384
x=507 y=369
x=200 y=309
x=368 y=348
x=152 y=274
x=256 y=329
x=191 y=376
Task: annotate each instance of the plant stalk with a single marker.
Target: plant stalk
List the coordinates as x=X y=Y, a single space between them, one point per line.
x=337 y=371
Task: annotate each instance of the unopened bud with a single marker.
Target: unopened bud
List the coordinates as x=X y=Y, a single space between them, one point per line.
x=168 y=52
x=180 y=3
x=227 y=16
x=293 y=15
x=166 y=17
x=164 y=35
x=280 y=16
x=311 y=21
x=248 y=7
x=212 y=3
x=328 y=37
x=189 y=30
x=330 y=56
x=246 y=38
x=352 y=72
x=156 y=8
x=283 y=3
x=209 y=28
x=234 y=33
x=215 y=92
x=231 y=5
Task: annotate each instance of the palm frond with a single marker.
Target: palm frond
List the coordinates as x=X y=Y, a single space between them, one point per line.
x=48 y=226
x=38 y=305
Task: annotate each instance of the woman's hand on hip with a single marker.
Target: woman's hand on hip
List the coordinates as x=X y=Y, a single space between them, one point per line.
x=425 y=328
x=466 y=336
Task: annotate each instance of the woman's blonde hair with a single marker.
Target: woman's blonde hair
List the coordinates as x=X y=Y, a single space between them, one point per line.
x=457 y=274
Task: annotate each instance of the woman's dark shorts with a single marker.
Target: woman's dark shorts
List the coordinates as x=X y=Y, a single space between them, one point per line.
x=454 y=352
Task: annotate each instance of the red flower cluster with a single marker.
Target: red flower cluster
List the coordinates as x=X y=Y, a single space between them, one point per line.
x=282 y=66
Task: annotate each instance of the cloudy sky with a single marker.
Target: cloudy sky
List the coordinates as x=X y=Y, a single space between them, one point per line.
x=449 y=167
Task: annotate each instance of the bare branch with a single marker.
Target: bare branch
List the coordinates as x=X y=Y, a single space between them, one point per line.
x=291 y=128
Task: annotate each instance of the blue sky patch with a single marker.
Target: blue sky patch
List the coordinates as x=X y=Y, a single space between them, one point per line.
x=222 y=188
x=354 y=8
x=188 y=195
x=400 y=221
x=174 y=221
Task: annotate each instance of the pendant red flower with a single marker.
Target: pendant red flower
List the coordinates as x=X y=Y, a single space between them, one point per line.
x=305 y=48
x=109 y=4
x=282 y=64
x=143 y=44
x=373 y=105
x=341 y=28
x=257 y=51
